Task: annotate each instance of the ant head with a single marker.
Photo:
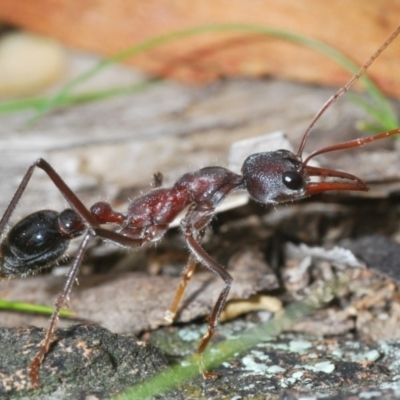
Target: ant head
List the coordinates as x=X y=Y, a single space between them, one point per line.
x=279 y=176
x=274 y=177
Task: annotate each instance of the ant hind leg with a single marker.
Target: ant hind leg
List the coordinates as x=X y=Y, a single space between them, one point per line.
x=69 y=195
x=60 y=302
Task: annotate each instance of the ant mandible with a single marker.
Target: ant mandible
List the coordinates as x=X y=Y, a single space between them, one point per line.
x=42 y=238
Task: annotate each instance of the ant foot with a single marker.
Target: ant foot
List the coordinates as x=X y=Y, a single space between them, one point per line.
x=206 y=374
x=34 y=378
x=210 y=375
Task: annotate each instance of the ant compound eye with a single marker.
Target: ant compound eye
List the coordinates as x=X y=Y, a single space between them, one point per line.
x=292 y=180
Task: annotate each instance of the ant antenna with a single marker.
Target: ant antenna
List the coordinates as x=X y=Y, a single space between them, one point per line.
x=351 y=144
x=345 y=88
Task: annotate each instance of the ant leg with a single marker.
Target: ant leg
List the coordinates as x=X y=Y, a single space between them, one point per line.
x=118 y=238
x=61 y=299
x=190 y=267
x=217 y=269
x=63 y=296
x=188 y=271
x=186 y=276
x=17 y=196
x=69 y=195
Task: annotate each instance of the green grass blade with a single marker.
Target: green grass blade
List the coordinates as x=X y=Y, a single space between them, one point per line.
x=384 y=121
x=31 y=308
x=152 y=43
x=38 y=103
x=175 y=376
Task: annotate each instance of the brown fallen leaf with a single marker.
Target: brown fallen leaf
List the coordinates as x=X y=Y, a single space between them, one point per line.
x=109 y=27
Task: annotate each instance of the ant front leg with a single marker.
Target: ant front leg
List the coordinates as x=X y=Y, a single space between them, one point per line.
x=198 y=217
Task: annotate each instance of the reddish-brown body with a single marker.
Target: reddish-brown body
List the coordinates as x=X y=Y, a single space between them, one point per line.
x=149 y=215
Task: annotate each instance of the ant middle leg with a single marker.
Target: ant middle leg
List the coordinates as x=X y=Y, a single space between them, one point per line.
x=197 y=218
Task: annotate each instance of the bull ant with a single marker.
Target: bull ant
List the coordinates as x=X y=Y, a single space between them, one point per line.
x=42 y=238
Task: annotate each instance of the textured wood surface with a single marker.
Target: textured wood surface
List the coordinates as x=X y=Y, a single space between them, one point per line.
x=356 y=28
x=110 y=149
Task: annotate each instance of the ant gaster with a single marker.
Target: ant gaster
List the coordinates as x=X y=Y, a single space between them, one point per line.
x=42 y=238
